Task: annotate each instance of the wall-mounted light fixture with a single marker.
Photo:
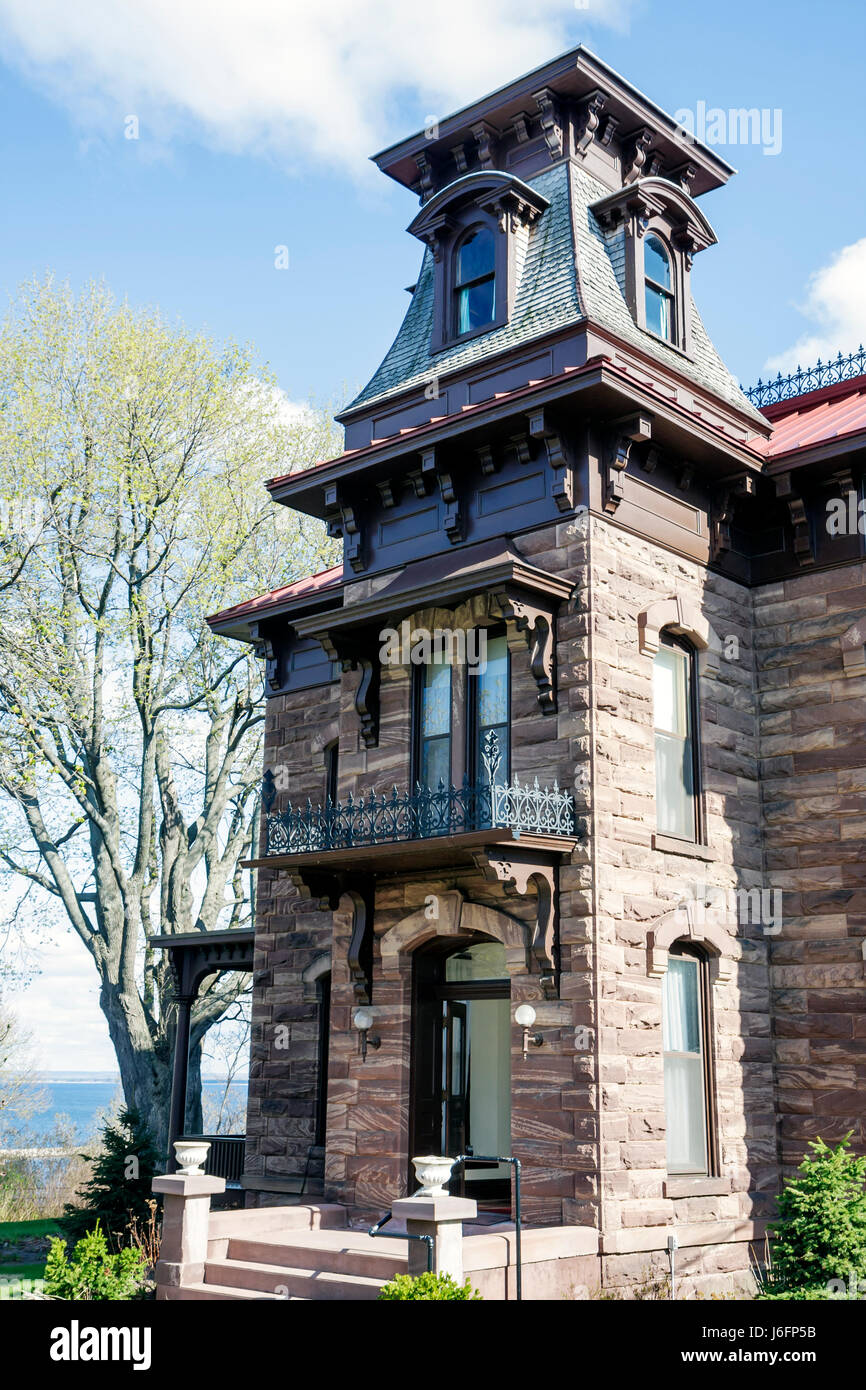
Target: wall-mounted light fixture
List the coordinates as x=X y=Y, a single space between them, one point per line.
x=362 y=1019
x=524 y=1017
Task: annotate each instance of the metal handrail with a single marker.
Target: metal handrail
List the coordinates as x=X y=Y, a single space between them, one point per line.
x=402 y=1235
x=422 y=814
x=515 y=1163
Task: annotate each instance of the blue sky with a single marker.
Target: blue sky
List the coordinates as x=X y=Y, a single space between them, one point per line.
x=255 y=122
x=188 y=215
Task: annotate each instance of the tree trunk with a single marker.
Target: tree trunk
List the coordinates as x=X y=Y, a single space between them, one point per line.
x=145 y=1068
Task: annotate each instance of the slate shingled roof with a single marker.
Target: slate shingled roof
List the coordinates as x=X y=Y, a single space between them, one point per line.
x=546 y=298
x=550 y=295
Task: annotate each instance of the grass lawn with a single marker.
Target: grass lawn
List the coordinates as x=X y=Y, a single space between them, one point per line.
x=22 y=1271
x=17 y=1230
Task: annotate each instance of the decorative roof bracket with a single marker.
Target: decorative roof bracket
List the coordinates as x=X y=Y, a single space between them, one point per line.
x=624 y=434
x=803 y=548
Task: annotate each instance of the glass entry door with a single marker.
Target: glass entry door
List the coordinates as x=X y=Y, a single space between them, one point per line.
x=462 y=1065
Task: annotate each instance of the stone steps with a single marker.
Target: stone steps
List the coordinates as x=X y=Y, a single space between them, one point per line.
x=252 y=1279
x=331 y=1252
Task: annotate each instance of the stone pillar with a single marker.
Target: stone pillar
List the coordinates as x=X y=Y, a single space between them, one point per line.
x=186 y=1211
x=439 y=1217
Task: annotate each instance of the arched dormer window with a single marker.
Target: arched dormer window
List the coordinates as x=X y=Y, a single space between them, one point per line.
x=475 y=281
x=660 y=304
x=473 y=227
x=676 y=742
x=660 y=229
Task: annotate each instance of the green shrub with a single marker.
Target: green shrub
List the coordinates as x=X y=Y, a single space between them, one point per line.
x=403 y=1287
x=119 y=1190
x=820 y=1235
x=93 y=1272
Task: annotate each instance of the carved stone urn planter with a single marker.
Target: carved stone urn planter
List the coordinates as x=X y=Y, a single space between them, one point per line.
x=433 y=1172
x=191 y=1155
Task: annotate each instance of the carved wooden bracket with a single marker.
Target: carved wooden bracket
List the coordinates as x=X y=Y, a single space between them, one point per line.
x=483 y=135
x=327 y=889
x=530 y=623
x=426 y=183
x=487 y=460
x=640 y=142
x=519 y=871
x=354 y=654
x=593 y=107
x=624 y=434
x=520 y=447
x=453 y=519
x=557 y=456
x=550 y=129
x=722 y=511
x=342 y=522
x=803 y=548
x=609 y=127
x=263 y=646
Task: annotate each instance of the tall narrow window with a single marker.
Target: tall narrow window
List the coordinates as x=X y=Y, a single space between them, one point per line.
x=323 y=992
x=659 y=289
x=475 y=281
x=675 y=751
x=433 y=749
x=685 y=1065
x=332 y=753
x=489 y=712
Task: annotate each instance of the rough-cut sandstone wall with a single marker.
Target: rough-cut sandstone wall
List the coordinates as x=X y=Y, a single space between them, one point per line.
x=290 y=939
x=635 y=885
x=813 y=750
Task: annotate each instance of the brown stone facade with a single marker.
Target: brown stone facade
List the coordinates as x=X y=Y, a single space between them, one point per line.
x=780 y=738
x=813 y=785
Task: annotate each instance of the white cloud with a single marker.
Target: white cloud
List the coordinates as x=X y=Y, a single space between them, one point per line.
x=283 y=78
x=835 y=304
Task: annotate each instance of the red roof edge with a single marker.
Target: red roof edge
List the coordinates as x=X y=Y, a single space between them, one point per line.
x=299 y=588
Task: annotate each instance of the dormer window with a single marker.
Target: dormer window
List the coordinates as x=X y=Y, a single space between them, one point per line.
x=659 y=301
x=474 y=229
x=475 y=281
x=653 y=230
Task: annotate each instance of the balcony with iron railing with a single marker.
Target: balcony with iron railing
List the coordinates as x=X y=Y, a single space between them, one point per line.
x=419 y=820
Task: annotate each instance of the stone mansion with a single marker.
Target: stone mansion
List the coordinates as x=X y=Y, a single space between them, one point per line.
x=578 y=723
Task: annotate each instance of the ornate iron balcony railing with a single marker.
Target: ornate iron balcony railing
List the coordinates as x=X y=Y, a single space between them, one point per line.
x=804 y=379
x=422 y=814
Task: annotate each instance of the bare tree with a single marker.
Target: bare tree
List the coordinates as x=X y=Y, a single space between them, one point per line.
x=132 y=462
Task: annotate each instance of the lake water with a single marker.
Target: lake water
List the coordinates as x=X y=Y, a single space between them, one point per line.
x=85 y=1098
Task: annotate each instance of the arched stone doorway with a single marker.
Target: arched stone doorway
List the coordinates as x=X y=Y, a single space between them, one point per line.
x=461 y=1062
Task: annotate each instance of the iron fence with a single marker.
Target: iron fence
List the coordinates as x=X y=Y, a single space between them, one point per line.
x=804 y=379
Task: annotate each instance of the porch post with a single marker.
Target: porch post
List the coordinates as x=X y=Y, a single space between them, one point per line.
x=185 y=1219
x=177 y=1112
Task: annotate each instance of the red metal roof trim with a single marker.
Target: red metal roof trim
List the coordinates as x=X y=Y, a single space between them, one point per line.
x=325 y=579
x=834 y=412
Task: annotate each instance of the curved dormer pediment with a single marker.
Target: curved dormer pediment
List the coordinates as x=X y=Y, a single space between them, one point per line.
x=656 y=198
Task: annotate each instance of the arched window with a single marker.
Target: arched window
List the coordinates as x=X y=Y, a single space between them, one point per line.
x=687 y=1062
x=676 y=750
x=475 y=281
x=658 y=288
